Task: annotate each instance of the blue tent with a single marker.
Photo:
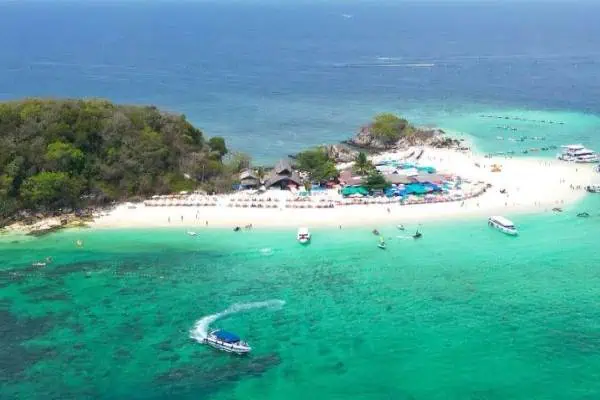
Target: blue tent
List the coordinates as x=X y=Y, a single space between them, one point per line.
x=227 y=337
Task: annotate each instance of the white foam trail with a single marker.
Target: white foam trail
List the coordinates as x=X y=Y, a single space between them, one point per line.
x=200 y=329
x=266 y=251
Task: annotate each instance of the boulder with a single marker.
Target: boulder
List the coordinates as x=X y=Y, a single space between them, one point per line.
x=364 y=138
x=340 y=153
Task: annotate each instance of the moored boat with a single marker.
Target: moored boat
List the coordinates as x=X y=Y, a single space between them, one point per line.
x=593 y=188
x=503 y=225
x=578 y=154
x=227 y=341
x=303 y=235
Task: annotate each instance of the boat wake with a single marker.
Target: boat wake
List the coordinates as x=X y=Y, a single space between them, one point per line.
x=266 y=251
x=200 y=330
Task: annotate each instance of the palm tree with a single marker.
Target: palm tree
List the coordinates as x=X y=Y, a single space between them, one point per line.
x=362 y=165
x=260 y=174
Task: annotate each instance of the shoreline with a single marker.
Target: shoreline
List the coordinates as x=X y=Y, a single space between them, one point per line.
x=530 y=185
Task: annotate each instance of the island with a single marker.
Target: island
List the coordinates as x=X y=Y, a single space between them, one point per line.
x=93 y=163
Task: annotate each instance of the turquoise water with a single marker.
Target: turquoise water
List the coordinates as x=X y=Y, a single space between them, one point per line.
x=464 y=313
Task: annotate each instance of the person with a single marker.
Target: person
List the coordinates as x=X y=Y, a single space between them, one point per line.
x=169 y=219
x=182 y=218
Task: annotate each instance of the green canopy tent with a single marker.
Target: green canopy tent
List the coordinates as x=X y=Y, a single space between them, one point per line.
x=351 y=190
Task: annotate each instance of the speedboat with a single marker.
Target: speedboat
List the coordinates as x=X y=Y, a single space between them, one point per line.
x=578 y=153
x=583 y=215
x=381 y=243
x=191 y=233
x=303 y=235
x=503 y=225
x=227 y=341
x=593 y=188
x=417 y=235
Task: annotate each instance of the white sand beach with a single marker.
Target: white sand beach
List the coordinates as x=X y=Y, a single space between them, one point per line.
x=529 y=185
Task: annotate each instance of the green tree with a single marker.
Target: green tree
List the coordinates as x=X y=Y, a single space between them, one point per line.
x=50 y=189
x=261 y=173
x=389 y=127
x=217 y=145
x=317 y=163
x=64 y=157
x=237 y=162
x=376 y=181
x=362 y=165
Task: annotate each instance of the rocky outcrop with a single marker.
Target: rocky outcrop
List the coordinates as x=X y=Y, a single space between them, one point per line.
x=365 y=139
x=421 y=136
x=341 y=153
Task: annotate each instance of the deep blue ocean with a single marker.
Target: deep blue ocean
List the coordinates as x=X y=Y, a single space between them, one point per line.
x=274 y=78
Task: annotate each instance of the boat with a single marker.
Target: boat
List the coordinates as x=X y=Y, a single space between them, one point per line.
x=38 y=264
x=303 y=235
x=557 y=209
x=400 y=227
x=583 y=215
x=503 y=225
x=417 y=235
x=227 y=341
x=593 y=188
x=381 y=243
x=191 y=233
x=578 y=154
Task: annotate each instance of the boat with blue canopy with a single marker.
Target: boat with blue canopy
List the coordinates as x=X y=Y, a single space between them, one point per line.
x=227 y=341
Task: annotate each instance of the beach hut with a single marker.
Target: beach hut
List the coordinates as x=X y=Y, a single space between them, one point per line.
x=283 y=176
x=249 y=179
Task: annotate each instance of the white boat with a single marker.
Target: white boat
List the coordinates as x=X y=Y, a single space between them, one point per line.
x=578 y=153
x=191 y=233
x=504 y=225
x=227 y=341
x=303 y=235
x=593 y=188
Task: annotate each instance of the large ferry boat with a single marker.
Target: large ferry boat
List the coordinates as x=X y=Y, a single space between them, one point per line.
x=503 y=225
x=578 y=153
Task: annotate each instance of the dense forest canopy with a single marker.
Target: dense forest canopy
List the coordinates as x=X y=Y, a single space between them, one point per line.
x=65 y=153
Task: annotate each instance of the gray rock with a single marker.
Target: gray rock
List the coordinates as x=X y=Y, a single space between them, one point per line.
x=341 y=153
